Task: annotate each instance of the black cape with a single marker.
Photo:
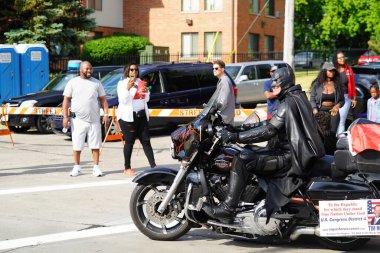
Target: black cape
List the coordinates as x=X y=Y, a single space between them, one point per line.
x=305 y=147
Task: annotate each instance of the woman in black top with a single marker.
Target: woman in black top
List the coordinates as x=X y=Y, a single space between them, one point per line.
x=326 y=98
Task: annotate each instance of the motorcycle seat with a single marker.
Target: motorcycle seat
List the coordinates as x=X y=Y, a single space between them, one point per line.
x=367 y=161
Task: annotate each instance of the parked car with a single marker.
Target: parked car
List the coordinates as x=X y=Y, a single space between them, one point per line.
x=308 y=59
x=364 y=75
x=49 y=96
x=172 y=85
x=250 y=78
x=369 y=57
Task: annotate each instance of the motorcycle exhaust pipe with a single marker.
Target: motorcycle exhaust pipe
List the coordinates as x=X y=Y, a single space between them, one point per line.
x=304 y=231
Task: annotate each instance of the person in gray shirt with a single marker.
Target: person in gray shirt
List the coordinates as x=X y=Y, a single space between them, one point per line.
x=226 y=97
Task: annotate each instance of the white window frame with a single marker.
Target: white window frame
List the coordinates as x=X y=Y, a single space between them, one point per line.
x=213 y=5
x=189 y=45
x=189 y=6
x=209 y=39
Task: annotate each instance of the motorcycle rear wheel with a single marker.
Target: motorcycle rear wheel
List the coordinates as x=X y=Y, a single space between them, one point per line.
x=144 y=202
x=342 y=243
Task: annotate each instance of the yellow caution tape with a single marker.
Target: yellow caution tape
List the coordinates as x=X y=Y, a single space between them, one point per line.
x=191 y=113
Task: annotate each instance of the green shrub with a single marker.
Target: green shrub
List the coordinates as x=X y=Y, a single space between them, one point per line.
x=102 y=51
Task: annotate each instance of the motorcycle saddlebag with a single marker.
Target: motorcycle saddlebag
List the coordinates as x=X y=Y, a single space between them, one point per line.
x=329 y=190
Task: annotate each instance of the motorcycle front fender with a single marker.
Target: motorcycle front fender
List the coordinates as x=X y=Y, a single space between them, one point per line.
x=159 y=175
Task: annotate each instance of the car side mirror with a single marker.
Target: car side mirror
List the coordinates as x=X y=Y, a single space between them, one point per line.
x=243 y=78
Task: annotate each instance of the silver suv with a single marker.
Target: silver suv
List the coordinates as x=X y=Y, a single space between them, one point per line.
x=250 y=78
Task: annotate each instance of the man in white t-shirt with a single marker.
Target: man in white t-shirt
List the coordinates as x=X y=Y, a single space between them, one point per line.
x=84 y=92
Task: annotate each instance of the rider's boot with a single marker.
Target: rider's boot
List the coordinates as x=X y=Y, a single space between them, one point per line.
x=225 y=210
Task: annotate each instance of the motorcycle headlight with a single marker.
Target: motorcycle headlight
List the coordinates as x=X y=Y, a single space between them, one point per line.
x=28 y=103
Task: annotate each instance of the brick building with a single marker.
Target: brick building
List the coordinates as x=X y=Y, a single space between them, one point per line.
x=189 y=27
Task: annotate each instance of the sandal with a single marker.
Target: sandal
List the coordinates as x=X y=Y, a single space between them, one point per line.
x=130 y=172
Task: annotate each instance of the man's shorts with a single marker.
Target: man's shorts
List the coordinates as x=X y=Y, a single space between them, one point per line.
x=80 y=129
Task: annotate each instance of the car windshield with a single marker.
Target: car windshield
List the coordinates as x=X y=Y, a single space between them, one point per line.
x=59 y=82
x=110 y=82
x=233 y=71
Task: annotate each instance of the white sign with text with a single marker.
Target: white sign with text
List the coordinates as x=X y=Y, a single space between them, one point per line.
x=349 y=217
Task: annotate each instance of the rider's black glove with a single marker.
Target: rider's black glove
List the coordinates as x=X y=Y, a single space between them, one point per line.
x=228 y=136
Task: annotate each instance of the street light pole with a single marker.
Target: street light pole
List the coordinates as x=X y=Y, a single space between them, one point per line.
x=289 y=32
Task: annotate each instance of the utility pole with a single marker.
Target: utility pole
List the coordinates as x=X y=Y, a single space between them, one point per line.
x=289 y=32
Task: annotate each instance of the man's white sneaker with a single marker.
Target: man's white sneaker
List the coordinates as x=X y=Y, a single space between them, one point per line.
x=96 y=171
x=76 y=171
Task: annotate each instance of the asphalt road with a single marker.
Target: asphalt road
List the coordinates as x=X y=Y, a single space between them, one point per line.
x=42 y=209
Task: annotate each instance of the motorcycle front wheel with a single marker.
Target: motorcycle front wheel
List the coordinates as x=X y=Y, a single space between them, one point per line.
x=168 y=226
x=342 y=243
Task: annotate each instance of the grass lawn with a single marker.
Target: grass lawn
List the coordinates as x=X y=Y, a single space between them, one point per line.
x=305 y=77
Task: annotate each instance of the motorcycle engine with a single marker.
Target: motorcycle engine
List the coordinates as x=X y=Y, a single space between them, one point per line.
x=254 y=222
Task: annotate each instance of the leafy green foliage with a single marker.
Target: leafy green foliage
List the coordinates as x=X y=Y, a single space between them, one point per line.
x=62 y=25
x=104 y=49
x=336 y=23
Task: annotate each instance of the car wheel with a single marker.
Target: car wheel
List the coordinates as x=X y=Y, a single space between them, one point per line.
x=43 y=125
x=19 y=129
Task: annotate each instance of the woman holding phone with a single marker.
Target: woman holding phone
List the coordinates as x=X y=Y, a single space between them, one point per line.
x=133 y=115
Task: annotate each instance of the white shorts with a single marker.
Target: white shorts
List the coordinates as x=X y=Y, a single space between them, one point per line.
x=81 y=129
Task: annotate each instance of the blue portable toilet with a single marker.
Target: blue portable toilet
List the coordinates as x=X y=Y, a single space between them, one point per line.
x=9 y=72
x=34 y=67
x=73 y=65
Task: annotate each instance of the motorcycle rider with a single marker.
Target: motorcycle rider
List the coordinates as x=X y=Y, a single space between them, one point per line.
x=284 y=164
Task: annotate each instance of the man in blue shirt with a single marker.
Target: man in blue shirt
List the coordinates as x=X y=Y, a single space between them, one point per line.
x=272 y=100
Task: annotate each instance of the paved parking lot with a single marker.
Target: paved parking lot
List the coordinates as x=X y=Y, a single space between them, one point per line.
x=42 y=209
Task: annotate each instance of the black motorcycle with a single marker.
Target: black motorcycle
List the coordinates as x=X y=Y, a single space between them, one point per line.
x=167 y=203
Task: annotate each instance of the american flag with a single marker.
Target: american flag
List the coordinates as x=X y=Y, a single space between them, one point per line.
x=370 y=206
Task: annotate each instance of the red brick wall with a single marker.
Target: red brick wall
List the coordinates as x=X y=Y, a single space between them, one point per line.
x=264 y=25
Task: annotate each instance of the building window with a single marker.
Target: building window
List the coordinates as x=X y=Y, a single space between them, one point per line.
x=209 y=40
x=254 y=6
x=269 y=47
x=95 y=4
x=269 y=9
x=190 y=44
x=190 y=5
x=253 y=46
x=213 y=5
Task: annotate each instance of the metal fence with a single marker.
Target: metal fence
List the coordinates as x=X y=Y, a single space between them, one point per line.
x=58 y=64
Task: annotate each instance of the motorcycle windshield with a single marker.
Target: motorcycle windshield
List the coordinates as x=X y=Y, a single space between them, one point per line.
x=251 y=119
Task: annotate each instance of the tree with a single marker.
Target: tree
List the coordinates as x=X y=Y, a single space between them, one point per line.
x=62 y=25
x=307 y=15
x=336 y=23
